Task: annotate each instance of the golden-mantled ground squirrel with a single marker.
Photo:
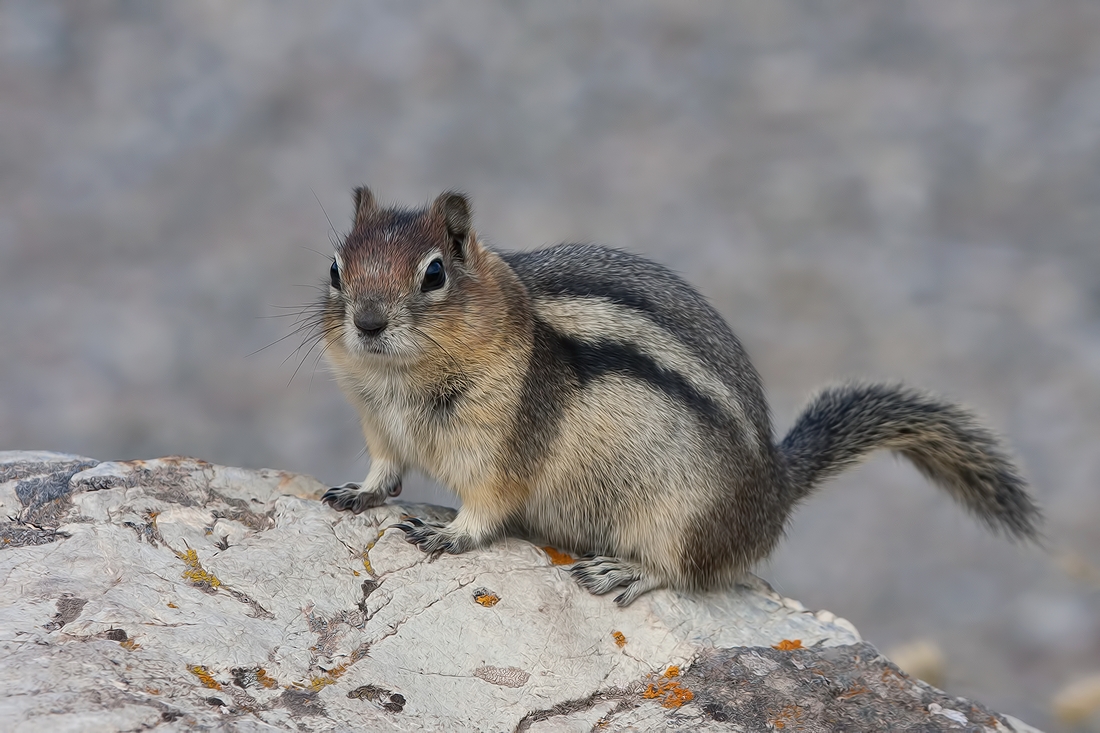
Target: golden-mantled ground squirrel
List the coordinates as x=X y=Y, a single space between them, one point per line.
x=593 y=400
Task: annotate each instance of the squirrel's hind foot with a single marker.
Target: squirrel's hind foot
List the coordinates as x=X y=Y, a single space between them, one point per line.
x=600 y=575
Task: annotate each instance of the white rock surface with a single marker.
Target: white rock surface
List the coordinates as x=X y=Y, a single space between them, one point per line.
x=179 y=593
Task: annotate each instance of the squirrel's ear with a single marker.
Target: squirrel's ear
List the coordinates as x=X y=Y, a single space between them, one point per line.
x=454 y=209
x=364 y=203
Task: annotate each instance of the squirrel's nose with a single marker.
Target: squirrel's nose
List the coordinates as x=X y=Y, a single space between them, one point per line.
x=371 y=322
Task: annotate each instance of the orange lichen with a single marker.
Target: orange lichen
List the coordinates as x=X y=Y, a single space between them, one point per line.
x=788 y=645
x=129 y=644
x=620 y=638
x=677 y=697
x=668 y=690
x=172 y=605
x=328 y=678
x=557 y=557
x=266 y=680
x=487 y=599
x=153 y=690
x=790 y=715
x=205 y=677
x=195 y=573
x=853 y=691
x=893 y=678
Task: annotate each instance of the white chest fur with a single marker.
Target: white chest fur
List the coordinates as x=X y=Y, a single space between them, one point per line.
x=455 y=448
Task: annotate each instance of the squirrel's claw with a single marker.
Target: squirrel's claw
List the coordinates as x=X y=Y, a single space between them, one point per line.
x=350 y=497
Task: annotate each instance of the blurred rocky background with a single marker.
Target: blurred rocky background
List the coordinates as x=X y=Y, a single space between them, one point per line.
x=899 y=189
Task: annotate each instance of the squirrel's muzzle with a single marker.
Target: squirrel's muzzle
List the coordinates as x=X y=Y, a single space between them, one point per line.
x=371 y=321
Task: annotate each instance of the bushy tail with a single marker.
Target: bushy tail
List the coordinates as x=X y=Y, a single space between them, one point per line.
x=841 y=425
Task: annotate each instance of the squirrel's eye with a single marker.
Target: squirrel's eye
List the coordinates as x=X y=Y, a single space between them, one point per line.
x=434 y=276
x=334 y=275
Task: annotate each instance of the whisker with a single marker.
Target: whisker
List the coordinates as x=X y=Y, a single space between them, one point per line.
x=330 y=226
x=304 y=327
x=316 y=362
x=326 y=256
x=303 y=361
x=315 y=331
x=438 y=345
x=279 y=315
x=443 y=318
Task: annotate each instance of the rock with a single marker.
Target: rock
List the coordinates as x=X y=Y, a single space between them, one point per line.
x=1078 y=701
x=922 y=659
x=175 y=591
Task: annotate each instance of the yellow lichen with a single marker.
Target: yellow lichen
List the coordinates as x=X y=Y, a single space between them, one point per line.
x=195 y=572
x=172 y=605
x=205 y=677
x=487 y=599
x=366 y=552
x=620 y=638
x=129 y=644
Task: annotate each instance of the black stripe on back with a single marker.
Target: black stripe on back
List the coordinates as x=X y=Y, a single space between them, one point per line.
x=591 y=360
x=655 y=293
x=543 y=395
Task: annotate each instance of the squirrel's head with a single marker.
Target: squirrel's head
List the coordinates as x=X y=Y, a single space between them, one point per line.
x=401 y=276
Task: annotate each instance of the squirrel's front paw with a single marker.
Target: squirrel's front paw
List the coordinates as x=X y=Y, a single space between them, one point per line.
x=434 y=537
x=352 y=497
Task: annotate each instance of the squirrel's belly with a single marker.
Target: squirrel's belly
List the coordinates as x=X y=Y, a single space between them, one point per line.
x=580 y=527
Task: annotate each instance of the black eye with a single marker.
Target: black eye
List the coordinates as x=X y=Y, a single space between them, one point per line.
x=434 y=276
x=334 y=275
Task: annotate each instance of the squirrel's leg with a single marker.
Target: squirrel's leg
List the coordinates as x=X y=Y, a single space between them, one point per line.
x=481 y=518
x=601 y=575
x=383 y=481
x=383 y=478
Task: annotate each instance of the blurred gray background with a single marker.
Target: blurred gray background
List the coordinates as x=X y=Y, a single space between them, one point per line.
x=877 y=189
